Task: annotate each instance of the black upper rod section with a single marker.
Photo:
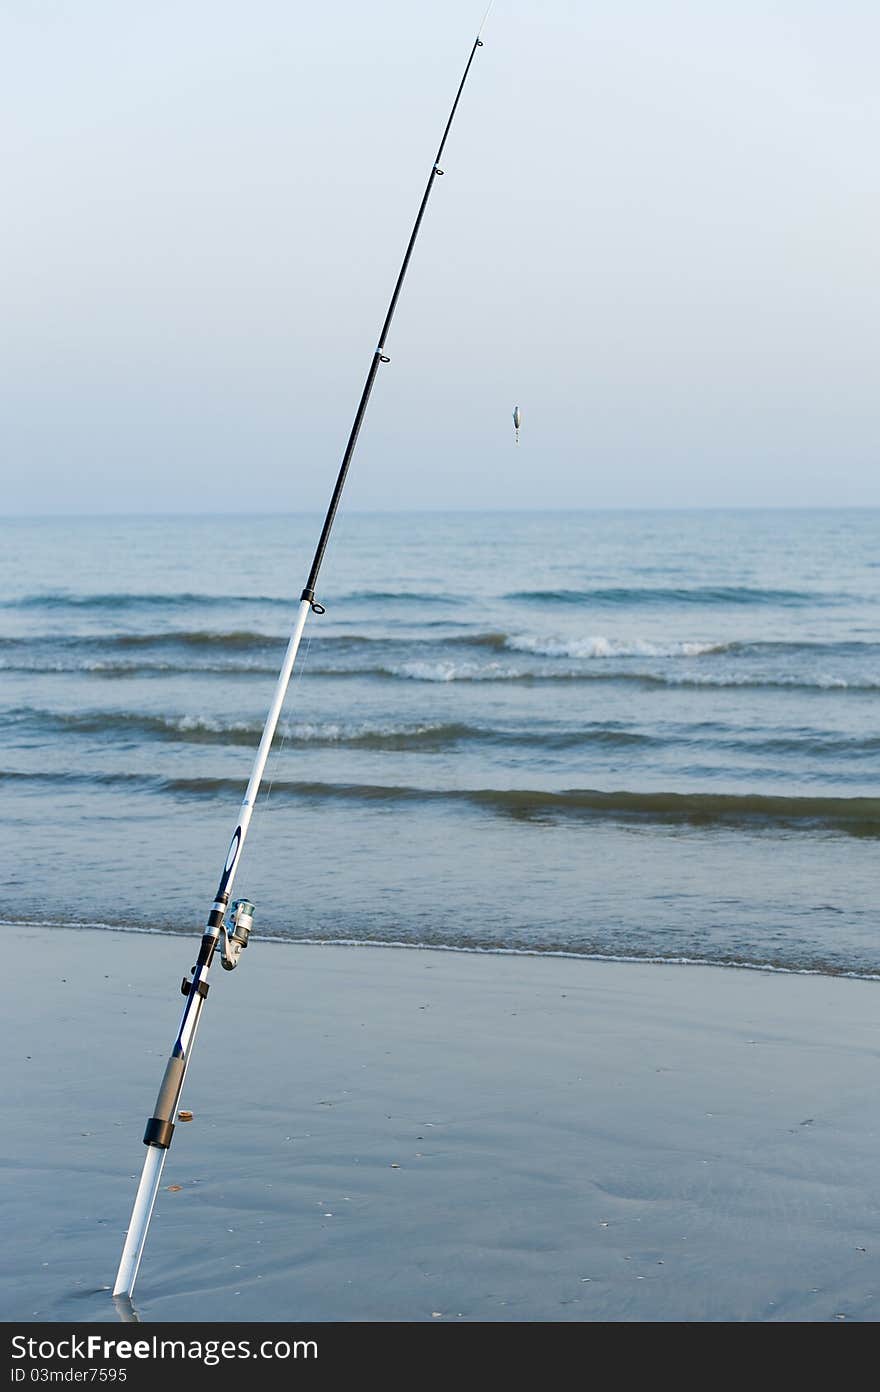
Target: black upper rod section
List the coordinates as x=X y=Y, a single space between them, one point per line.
x=379 y=355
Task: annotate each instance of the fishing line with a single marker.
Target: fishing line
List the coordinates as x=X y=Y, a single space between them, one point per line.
x=279 y=750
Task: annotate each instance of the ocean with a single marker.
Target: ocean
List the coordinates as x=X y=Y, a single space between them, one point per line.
x=626 y=734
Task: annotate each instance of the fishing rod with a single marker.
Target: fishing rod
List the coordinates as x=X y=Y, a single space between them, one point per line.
x=231 y=933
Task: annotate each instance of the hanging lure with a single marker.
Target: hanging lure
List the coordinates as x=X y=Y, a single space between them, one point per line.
x=516 y=420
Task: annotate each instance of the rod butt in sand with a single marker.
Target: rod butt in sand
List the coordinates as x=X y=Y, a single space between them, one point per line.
x=141 y=1213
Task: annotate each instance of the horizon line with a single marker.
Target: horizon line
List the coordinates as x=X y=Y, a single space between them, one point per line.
x=62 y=515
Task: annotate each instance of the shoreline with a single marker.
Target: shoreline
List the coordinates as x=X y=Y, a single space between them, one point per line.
x=465 y=949
x=408 y=1135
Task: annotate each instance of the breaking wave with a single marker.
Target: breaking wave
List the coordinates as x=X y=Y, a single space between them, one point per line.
x=858 y=816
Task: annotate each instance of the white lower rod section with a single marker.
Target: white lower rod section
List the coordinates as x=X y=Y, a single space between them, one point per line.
x=253 y=787
x=154 y=1163
x=140 y=1220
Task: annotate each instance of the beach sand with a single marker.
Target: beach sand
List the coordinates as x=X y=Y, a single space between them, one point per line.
x=383 y=1134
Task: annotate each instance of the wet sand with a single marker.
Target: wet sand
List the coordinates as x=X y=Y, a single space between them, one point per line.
x=407 y=1135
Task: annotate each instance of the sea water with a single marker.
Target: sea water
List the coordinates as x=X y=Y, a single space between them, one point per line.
x=626 y=734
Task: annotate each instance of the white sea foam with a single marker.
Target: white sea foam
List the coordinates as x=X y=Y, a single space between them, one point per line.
x=332 y=732
x=193 y=724
x=819 y=683
x=305 y=732
x=597 y=646
x=452 y=671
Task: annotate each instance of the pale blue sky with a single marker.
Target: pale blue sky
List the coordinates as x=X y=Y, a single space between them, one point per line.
x=657 y=233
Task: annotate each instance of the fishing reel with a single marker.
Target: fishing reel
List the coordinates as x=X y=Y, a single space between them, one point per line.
x=236 y=932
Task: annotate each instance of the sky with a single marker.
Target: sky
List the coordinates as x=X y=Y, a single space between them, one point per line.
x=657 y=233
